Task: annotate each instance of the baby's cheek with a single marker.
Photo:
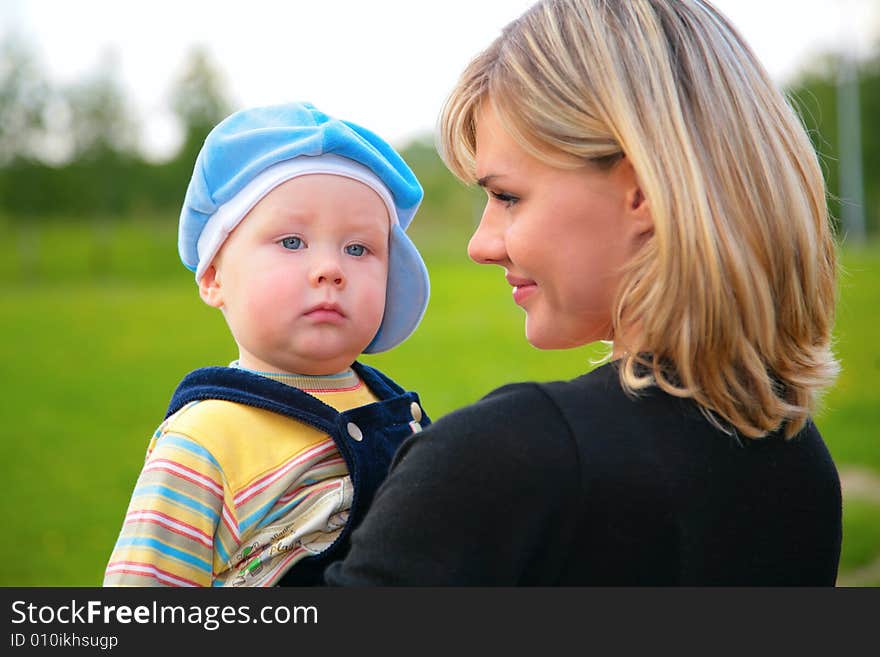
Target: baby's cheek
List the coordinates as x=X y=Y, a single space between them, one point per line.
x=375 y=306
x=278 y=288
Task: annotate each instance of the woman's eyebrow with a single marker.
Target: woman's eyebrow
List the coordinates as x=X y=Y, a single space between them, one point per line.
x=485 y=180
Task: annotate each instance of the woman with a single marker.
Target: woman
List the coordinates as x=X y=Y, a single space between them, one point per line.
x=649 y=186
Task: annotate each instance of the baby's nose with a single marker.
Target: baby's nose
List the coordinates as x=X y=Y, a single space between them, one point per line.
x=327 y=271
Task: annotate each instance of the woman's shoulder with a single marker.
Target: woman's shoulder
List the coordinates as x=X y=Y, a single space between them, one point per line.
x=601 y=381
x=515 y=438
x=517 y=418
x=527 y=412
x=506 y=408
x=599 y=390
x=515 y=407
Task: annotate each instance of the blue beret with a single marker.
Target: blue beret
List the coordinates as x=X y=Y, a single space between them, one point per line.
x=248 y=142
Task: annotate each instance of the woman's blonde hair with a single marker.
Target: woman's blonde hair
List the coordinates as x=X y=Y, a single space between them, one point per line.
x=734 y=293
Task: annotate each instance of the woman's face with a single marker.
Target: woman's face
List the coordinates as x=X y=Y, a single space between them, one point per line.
x=561 y=235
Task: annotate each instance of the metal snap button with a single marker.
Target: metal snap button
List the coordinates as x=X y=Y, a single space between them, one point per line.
x=355 y=432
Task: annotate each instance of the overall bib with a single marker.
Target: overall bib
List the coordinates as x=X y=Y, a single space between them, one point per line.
x=367 y=436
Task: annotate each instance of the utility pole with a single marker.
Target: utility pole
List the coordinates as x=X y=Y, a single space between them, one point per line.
x=849 y=123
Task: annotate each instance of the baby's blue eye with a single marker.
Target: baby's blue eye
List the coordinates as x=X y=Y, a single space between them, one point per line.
x=355 y=249
x=291 y=243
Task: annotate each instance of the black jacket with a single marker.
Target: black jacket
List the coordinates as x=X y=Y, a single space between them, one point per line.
x=576 y=483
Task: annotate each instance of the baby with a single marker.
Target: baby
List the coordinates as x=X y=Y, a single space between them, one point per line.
x=293 y=223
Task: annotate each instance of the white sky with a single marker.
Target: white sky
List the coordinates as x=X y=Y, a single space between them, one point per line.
x=382 y=63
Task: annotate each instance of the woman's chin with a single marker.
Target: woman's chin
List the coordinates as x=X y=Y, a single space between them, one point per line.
x=551 y=337
x=543 y=339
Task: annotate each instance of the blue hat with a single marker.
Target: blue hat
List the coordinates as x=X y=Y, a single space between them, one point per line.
x=252 y=151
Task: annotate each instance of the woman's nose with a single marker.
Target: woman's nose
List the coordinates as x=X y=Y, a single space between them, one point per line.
x=486 y=246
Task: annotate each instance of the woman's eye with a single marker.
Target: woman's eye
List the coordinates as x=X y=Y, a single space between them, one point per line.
x=355 y=249
x=507 y=199
x=292 y=243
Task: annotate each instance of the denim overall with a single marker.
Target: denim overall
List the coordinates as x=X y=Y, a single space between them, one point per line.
x=366 y=436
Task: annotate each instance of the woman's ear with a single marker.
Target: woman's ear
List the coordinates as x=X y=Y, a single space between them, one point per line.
x=210 y=288
x=638 y=206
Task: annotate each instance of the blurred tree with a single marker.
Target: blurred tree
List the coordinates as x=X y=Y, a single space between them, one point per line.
x=24 y=94
x=450 y=210
x=74 y=151
x=95 y=123
x=200 y=101
x=814 y=95
x=71 y=150
x=100 y=122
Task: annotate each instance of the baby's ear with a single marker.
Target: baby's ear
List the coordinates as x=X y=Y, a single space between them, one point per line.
x=210 y=289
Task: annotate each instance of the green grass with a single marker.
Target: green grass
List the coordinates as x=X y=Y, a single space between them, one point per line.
x=100 y=322
x=851 y=413
x=861 y=516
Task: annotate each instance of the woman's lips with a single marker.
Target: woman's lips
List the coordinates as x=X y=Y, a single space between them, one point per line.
x=523 y=292
x=523 y=288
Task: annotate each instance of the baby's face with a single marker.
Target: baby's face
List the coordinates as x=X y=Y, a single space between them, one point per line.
x=302 y=279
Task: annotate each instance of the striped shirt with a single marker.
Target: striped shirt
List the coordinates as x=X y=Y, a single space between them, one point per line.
x=233 y=495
